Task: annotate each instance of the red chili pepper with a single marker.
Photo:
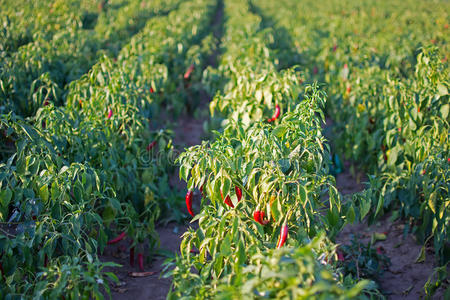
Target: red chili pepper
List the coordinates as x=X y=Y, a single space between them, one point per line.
x=258 y=216
x=189 y=196
x=238 y=193
x=46 y=102
x=380 y=250
x=120 y=237
x=152 y=90
x=334 y=48
x=424 y=172
x=340 y=256
x=151 y=145
x=348 y=90
x=283 y=236
x=228 y=201
x=264 y=222
x=448 y=159
x=276 y=115
x=189 y=71
x=132 y=256
x=141 y=261
x=110 y=113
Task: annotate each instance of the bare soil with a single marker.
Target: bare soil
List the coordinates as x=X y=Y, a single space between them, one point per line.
x=150 y=287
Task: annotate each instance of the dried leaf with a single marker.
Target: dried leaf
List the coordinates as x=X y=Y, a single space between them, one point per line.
x=140 y=274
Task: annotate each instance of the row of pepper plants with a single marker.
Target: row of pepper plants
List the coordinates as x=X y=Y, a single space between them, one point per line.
x=48 y=63
x=269 y=210
x=95 y=168
x=385 y=66
x=25 y=21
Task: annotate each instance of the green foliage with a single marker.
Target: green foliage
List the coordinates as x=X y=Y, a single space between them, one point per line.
x=71 y=176
x=386 y=72
x=281 y=169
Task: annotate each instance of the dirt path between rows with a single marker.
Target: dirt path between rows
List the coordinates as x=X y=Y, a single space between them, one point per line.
x=404 y=278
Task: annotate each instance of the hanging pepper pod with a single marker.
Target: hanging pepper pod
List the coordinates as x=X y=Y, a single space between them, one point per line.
x=188 y=72
x=283 y=236
x=189 y=196
x=110 y=113
x=132 y=256
x=120 y=237
x=227 y=200
x=141 y=261
x=276 y=114
x=151 y=145
x=238 y=193
x=258 y=216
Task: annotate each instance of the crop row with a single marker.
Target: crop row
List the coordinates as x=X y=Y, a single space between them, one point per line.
x=31 y=20
x=387 y=78
x=269 y=209
x=42 y=68
x=81 y=172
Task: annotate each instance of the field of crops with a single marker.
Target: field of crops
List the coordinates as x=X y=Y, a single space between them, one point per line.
x=224 y=149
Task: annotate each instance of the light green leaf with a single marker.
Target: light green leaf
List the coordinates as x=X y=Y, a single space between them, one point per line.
x=279 y=131
x=444 y=111
x=442 y=90
x=43 y=193
x=5 y=197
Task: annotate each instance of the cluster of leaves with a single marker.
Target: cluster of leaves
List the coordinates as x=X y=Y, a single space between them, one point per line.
x=281 y=169
x=363 y=260
x=388 y=97
x=31 y=20
x=82 y=171
x=45 y=65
